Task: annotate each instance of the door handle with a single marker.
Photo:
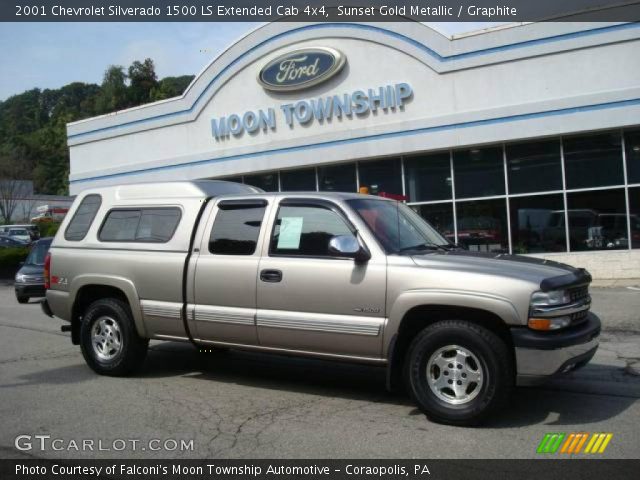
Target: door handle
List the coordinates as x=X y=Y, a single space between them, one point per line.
x=272 y=276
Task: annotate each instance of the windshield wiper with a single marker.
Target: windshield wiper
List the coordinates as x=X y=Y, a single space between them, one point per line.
x=422 y=246
x=450 y=246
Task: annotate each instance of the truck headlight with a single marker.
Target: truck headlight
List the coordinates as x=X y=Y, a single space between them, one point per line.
x=546 y=324
x=20 y=278
x=550 y=299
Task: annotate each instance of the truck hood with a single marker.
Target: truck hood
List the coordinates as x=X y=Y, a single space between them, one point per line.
x=547 y=274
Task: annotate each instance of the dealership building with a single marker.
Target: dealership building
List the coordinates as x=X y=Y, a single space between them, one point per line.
x=521 y=139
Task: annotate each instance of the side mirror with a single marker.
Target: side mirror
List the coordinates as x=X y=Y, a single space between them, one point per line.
x=348 y=246
x=21 y=264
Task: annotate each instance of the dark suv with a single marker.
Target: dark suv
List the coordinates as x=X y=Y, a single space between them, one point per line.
x=29 y=281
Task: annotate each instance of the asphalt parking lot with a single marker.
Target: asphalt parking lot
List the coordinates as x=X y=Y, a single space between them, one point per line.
x=248 y=405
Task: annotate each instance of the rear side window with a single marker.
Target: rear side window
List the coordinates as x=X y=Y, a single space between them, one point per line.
x=83 y=218
x=236 y=228
x=145 y=225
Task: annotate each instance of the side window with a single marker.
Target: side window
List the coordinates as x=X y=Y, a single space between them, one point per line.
x=83 y=218
x=146 y=225
x=236 y=227
x=157 y=224
x=306 y=230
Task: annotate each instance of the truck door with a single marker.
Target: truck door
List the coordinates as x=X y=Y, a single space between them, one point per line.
x=226 y=270
x=309 y=300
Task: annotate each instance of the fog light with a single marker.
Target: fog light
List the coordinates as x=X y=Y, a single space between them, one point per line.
x=546 y=324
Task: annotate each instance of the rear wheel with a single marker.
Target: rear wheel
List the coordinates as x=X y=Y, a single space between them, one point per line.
x=458 y=372
x=108 y=338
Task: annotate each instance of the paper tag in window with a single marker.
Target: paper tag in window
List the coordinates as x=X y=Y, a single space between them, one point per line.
x=290 y=233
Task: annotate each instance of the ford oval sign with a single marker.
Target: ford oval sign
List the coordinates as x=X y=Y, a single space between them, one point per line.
x=301 y=69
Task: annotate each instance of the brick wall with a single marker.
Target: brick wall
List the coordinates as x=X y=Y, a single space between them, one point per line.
x=607 y=268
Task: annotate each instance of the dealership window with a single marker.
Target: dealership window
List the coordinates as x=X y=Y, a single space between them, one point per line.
x=266 y=181
x=237 y=179
x=337 y=178
x=440 y=216
x=482 y=225
x=303 y=180
x=479 y=172
x=534 y=166
x=593 y=160
x=634 y=216
x=538 y=224
x=306 y=230
x=381 y=176
x=632 y=146
x=428 y=177
x=597 y=220
x=236 y=228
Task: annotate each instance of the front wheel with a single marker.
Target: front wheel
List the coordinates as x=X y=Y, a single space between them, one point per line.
x=108 y=338
x=458 y=372
x=22 y=298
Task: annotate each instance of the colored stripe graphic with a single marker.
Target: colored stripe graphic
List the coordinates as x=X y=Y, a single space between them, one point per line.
x=573 y=443
x=550 y=443
x=598 y=443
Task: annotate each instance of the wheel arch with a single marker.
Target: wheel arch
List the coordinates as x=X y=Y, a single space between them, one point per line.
x=398 y=335
x=87 y=289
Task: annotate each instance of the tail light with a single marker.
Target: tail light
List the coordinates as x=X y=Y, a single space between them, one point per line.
x=47 y=271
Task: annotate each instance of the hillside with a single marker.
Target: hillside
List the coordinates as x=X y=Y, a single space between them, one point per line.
x=32 y=124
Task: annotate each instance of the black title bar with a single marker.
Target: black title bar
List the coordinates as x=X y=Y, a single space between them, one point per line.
x=318 y=10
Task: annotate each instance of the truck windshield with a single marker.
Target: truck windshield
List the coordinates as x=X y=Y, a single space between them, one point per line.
x=398 y=228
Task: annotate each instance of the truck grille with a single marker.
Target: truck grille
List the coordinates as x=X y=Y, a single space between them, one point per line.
x=578 y=318
x=578 y=293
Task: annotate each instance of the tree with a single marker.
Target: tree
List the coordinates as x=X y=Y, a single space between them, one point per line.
x=33 y=135
x=143 y=80
x=13 y=184
x=113 y=91
x=170 y=87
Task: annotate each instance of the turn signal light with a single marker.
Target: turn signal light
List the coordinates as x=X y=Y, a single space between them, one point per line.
x=540 y=323
x=546 y=324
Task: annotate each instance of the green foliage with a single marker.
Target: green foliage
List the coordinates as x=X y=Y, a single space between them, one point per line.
x=48 y=229
x=33 y=123
x=10 y=258
x=170 y=87
x=143 y=79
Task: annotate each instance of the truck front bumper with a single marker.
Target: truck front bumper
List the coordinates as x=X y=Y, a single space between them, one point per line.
x=542 y=355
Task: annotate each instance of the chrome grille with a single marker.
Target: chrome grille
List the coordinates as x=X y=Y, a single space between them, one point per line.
x=578 y=293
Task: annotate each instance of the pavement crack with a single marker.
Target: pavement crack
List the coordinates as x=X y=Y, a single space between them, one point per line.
x=31 y=329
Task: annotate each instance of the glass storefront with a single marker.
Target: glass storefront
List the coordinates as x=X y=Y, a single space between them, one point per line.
x=575 y=193
x=298 y=180
x=381 y=176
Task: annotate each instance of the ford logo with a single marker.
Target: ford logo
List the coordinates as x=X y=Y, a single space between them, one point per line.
x=301 y=69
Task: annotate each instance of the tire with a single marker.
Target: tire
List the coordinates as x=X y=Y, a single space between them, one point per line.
x=120 y=350
x=452 y=394
x=22 y=299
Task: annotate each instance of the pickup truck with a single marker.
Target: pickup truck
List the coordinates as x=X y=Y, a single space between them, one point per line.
x=338 y=276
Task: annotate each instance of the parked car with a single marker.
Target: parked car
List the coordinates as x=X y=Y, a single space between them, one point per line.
x=34 y=233
x=10 y=242
x=337 y=276
x=21 y=234
x=29 y=281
